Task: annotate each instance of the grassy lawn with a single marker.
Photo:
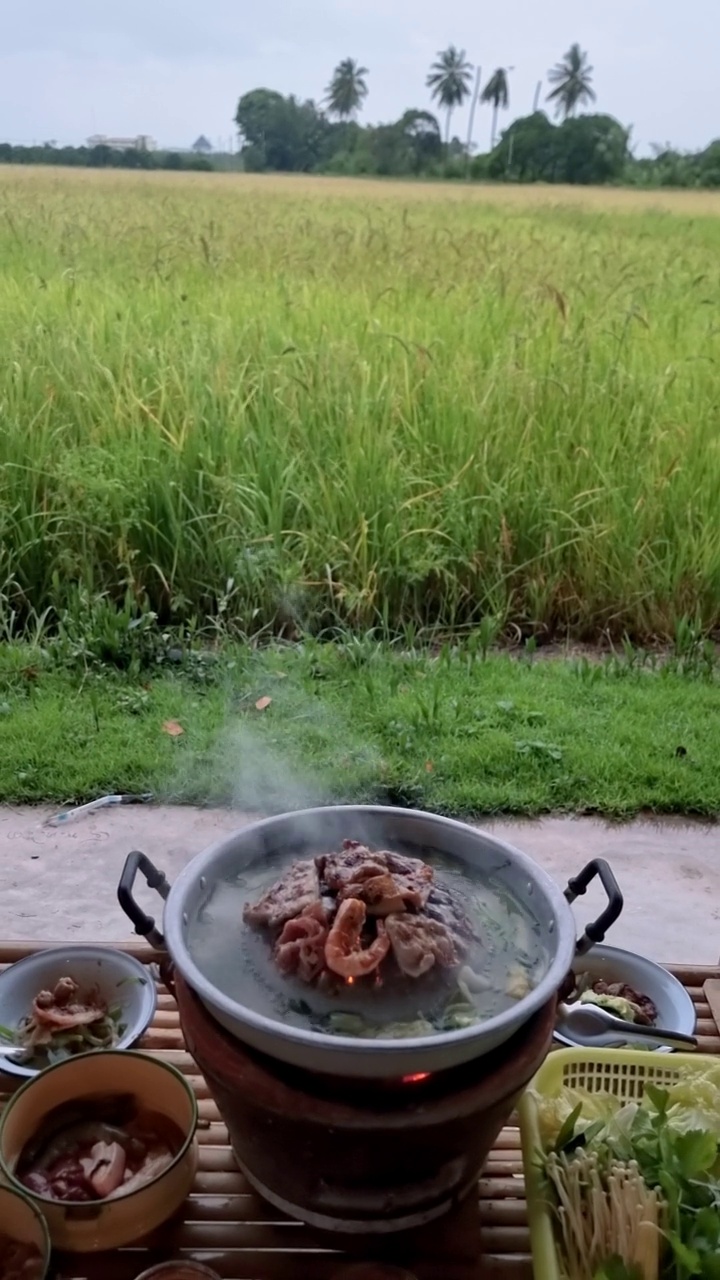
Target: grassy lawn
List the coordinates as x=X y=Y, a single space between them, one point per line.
x=356 y=721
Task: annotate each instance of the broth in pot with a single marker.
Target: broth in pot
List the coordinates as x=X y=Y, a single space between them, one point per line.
x=368 y=942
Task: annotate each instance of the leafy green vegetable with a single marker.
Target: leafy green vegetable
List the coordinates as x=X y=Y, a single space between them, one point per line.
x=352 y=1024
x=552 y=1112
x=458 y=1019
x=617 y=1005
x=300 y=1007
x=348 y=1024
x=616 y=1269
x=567 y=1129
x=459 y=1012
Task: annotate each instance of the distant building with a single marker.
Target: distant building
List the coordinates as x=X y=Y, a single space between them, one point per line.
x=141 y=143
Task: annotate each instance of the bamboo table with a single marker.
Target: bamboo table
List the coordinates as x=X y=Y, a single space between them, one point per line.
x=228 y=1227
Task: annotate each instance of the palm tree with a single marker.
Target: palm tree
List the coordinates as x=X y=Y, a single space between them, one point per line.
x=449 y=79
x=471 y=120
x=496 y=91
x=347 y=89
x=573 y=82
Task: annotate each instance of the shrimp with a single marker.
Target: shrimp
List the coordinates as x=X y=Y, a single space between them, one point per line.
x=344 y=953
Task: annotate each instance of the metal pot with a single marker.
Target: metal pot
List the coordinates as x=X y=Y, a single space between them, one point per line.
x=307 y=832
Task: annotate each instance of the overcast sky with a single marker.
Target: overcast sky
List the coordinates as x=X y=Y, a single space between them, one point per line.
x=175 y=68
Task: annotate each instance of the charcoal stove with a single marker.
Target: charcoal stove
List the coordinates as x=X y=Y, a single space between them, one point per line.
x=364 y=1136
x=356 y=1156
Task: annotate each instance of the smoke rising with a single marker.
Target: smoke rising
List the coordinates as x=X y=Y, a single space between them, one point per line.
x=295 y=754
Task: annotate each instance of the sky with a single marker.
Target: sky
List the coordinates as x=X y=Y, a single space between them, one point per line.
x=175 y=68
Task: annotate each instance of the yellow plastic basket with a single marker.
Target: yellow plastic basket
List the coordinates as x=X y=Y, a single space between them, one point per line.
x=622 y=1072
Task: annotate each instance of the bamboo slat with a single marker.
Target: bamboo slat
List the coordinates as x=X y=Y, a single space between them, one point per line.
x=711 y=991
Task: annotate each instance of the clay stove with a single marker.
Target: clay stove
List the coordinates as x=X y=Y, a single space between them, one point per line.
x=361 y=1156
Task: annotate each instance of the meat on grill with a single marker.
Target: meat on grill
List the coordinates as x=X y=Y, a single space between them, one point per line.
x=296 y=890
x=418 y=944
x=342 y=913
x=386 y=882
x=300 y=949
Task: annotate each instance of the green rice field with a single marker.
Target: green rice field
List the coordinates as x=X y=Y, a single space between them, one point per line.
x=304 y=404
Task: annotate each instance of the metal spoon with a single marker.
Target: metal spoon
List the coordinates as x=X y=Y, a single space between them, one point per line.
x=9 y=1050
x=591 y=1020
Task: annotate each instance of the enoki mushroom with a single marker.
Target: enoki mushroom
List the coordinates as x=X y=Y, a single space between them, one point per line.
x=605 y=1213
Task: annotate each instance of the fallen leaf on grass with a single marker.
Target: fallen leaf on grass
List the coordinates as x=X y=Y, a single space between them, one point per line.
x=173 y=728
x=262 y=703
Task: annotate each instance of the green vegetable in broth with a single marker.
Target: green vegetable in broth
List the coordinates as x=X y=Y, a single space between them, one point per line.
x=518 y=982
x=352 y=1024
x=460 y=1012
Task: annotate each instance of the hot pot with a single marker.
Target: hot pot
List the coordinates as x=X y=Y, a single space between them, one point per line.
x=310 y=831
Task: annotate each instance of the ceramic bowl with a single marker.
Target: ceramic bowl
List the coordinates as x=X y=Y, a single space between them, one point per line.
x=124 y=983
x=20 y=1221
x=104 y=1224
x=675 y=1009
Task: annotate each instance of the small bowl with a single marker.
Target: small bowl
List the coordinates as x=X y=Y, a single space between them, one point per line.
x=123 y=982
x=104 y=1224
x=675 y=1009
x=21 y=1221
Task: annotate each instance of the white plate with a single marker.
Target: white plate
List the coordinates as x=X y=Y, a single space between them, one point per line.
x=675 y=1009
x=123 y=982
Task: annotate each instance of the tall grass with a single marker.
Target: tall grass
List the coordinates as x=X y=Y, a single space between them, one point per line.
x=307 y=404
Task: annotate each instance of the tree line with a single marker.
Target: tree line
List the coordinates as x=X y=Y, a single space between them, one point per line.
x=286 y=134
x=104 y=157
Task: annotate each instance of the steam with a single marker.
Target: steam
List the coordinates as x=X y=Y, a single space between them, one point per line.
x=295 y=754
x=265 y=778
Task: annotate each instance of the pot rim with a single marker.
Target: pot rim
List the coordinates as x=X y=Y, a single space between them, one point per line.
x=275 y=1029
x=19 y=1187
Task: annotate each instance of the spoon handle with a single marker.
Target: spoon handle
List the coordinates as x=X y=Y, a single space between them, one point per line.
x=658 y=1033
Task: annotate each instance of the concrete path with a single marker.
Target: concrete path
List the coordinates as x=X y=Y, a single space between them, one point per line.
x=60 y=883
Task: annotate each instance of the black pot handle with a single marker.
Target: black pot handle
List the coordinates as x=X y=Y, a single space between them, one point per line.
x=595 y=932
x=144 y=924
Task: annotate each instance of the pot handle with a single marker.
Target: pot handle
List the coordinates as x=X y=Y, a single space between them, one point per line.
x=144 y=924
x=596 y=930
